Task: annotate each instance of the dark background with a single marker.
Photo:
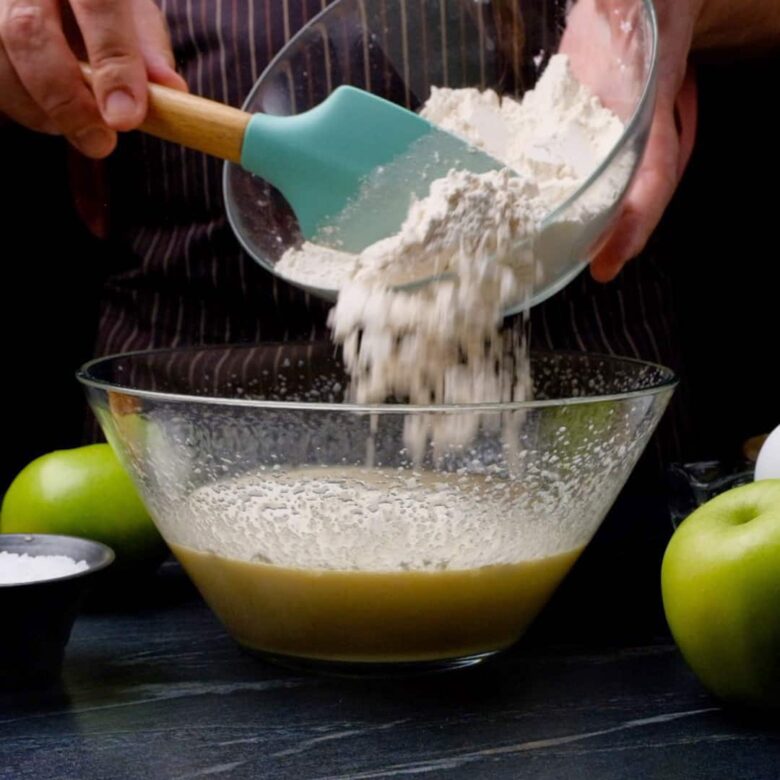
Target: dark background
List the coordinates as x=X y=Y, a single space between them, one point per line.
x=718 y=238
x=51 y=274
x=722 y=228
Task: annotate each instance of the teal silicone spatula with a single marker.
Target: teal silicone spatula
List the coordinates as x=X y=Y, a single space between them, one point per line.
x=348 y=167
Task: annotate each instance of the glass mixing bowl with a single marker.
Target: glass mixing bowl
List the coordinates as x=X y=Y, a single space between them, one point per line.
x=317 y=539
x=399 y=50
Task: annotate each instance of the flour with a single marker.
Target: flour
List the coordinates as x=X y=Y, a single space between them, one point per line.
x=555 y=138
x=465 y=215
x=369 y=520
x=317 y=266
x=442 y=343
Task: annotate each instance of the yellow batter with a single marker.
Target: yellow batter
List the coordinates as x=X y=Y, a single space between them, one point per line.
x=374 y=616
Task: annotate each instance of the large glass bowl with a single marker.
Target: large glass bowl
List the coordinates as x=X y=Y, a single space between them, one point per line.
x=314 y=535
x=399 y=50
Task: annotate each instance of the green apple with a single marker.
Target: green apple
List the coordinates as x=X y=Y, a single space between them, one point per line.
x=574 y=428
x=83 y=492
x=721 y=591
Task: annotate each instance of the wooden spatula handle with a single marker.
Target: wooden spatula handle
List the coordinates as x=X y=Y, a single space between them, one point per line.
x=194 y=122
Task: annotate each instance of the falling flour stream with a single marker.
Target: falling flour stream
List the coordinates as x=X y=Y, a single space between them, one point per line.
x=443 y=343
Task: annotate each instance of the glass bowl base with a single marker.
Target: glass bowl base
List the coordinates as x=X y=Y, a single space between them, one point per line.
x=371 y=669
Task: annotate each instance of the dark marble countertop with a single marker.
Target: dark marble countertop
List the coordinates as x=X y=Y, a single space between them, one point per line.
x=162 y=692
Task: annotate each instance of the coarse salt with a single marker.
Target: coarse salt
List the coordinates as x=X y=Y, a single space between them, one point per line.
x=17 y=569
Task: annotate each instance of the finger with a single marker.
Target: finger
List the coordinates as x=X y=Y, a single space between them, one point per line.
x=154 y=39
x=646 y=200
x=686 y=110
x=119 y=73
x=32 y=36
x=16 y=103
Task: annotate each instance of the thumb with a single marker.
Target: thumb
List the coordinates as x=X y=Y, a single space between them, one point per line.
x=647 y=199
x=118 y=77
x=686 y=110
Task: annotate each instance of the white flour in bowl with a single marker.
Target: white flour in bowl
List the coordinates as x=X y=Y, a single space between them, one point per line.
x=442 y=343
x=555 y=138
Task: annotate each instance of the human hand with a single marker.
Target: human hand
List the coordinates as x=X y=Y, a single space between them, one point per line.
x=41 y=85
x=595 y=33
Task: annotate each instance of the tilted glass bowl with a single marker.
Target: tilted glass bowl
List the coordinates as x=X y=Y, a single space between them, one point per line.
x=317 y=538
x=399 y=50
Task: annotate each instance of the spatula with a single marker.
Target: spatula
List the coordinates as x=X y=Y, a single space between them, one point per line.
x=348 y=167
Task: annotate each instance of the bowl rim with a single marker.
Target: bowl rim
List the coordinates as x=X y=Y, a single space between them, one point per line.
x=668 y=382
x=109 y=556
x=629 y=131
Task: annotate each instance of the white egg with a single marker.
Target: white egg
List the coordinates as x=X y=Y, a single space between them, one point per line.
x=768 y=462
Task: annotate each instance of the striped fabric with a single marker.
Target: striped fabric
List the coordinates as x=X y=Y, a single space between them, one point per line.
x=185 y=281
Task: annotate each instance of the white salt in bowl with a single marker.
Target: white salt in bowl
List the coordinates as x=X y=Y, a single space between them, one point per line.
x=400 y=50
x=38 y=614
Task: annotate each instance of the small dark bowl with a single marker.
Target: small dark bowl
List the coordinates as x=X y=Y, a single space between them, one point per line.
x=38 y=616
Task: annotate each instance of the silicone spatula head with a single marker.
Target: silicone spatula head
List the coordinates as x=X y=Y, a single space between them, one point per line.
x=351 y=166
